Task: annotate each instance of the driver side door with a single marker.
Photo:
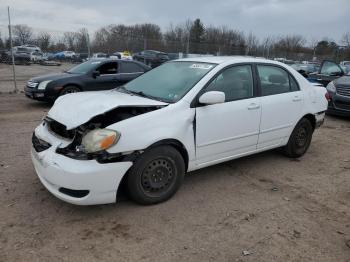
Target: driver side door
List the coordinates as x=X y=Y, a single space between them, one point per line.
x=107 y=78
x=228 y=129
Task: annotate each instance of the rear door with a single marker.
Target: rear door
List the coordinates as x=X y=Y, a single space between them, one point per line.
x=107 y=78
x=128 y=71
x=281 y=102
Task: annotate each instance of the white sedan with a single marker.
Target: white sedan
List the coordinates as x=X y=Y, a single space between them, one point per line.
x=181 y=116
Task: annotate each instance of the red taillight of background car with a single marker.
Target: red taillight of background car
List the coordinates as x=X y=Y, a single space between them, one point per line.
x=328 y=96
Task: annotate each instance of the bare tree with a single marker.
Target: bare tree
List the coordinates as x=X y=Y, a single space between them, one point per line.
x=252 y=43
x=2 y=44
x=70 y=39
x=346 y=39
x=43 y=40
x=23 y=34
x=82 y=41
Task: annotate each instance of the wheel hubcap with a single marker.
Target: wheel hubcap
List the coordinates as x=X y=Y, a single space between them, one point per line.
x=301 y=137
x=158 y=176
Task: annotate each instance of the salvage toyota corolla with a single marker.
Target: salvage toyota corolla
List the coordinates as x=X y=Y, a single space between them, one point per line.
x=181 y=116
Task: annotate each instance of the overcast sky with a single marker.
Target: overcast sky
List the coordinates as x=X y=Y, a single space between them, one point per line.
x=314 y=19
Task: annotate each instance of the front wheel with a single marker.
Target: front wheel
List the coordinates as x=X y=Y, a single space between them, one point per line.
x=156 y=175
x=300 y=139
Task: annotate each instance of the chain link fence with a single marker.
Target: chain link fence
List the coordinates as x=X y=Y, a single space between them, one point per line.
x=28 y=65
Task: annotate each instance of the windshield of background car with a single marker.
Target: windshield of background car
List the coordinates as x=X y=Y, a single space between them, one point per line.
x=170 y=81
x=84 y=67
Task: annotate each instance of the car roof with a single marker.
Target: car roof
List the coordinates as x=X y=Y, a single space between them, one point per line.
x=228 y=59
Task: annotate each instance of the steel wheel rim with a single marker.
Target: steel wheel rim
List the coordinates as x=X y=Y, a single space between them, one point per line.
x=301 y=137
x=158 y=176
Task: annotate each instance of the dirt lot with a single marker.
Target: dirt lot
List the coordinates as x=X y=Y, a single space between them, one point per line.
x=272 y=207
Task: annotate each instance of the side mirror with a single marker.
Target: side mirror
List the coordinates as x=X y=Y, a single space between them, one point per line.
x=95 y=74
x=212 y=97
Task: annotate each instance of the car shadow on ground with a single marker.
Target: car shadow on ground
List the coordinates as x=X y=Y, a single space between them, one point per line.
x=193 y=180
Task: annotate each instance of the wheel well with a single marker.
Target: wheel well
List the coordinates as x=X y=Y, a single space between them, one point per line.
x=177 y=145
x=76 y=85
x=169 y=142
x=312 y=119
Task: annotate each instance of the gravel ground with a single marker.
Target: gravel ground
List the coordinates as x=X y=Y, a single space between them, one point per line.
x=24 y=73
x=264 y=207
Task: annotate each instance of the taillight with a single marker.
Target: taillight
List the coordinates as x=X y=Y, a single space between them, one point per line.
x=328 y=96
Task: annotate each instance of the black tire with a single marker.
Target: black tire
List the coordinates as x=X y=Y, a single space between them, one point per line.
x=156 y=175
x=69 y=90
x=300 y=139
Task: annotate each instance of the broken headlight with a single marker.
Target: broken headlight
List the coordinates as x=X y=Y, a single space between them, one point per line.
x=99 y=139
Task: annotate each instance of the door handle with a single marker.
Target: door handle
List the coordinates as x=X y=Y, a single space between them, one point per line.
x=296 y=99
x=319 y=79
x=253 y=106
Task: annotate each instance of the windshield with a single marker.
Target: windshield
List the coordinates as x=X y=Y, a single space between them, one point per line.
x=171 y=81
x=84 y=67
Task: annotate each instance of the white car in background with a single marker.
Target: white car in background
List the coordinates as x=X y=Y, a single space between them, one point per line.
x=99 y=55
x=181 y=116
x=122 y=55
x=36 y=57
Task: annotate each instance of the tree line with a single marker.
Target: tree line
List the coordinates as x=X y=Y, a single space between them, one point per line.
x=187 y=37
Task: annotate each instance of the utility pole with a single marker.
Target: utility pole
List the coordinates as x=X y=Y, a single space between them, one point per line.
x=12 y=57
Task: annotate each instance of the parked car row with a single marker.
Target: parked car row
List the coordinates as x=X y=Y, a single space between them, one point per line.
x=332 y=76
x=335 y=77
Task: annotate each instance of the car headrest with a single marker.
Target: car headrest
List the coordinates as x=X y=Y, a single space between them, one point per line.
x=277 y=79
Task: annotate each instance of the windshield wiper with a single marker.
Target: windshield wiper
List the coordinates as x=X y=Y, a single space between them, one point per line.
x=140 y=93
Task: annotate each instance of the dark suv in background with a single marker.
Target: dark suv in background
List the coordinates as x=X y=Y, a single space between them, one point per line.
x=332 y=76
x=151 y=58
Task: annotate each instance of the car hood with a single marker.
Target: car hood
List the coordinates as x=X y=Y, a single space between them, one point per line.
x=73 y=110
x=53 y=77
x=344 y=81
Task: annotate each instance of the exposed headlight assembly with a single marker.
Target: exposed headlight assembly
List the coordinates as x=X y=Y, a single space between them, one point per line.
x=43 y=84
x=99 y=139
x=331 y=87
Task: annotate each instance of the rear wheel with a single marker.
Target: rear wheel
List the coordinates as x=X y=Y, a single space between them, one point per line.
x=69 y=90
x=300 y=139
x=156 y=175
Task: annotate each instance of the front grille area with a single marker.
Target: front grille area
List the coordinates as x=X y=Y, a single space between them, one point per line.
x=74 y=193
x=59 y=129
x=343 y=90
x=342 y=105
x=39 y=145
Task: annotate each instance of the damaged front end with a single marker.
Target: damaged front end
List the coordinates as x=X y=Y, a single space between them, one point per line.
x=78 y=149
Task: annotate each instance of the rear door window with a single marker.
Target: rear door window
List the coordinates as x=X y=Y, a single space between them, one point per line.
x=130 y=67
x=108 y=68
x=275 y=80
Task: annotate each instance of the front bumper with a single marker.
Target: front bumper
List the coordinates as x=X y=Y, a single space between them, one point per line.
x=41 y=95
x=339 y=105
x=62 y=175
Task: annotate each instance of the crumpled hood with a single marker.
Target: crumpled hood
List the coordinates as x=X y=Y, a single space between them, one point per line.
x=73 y=110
